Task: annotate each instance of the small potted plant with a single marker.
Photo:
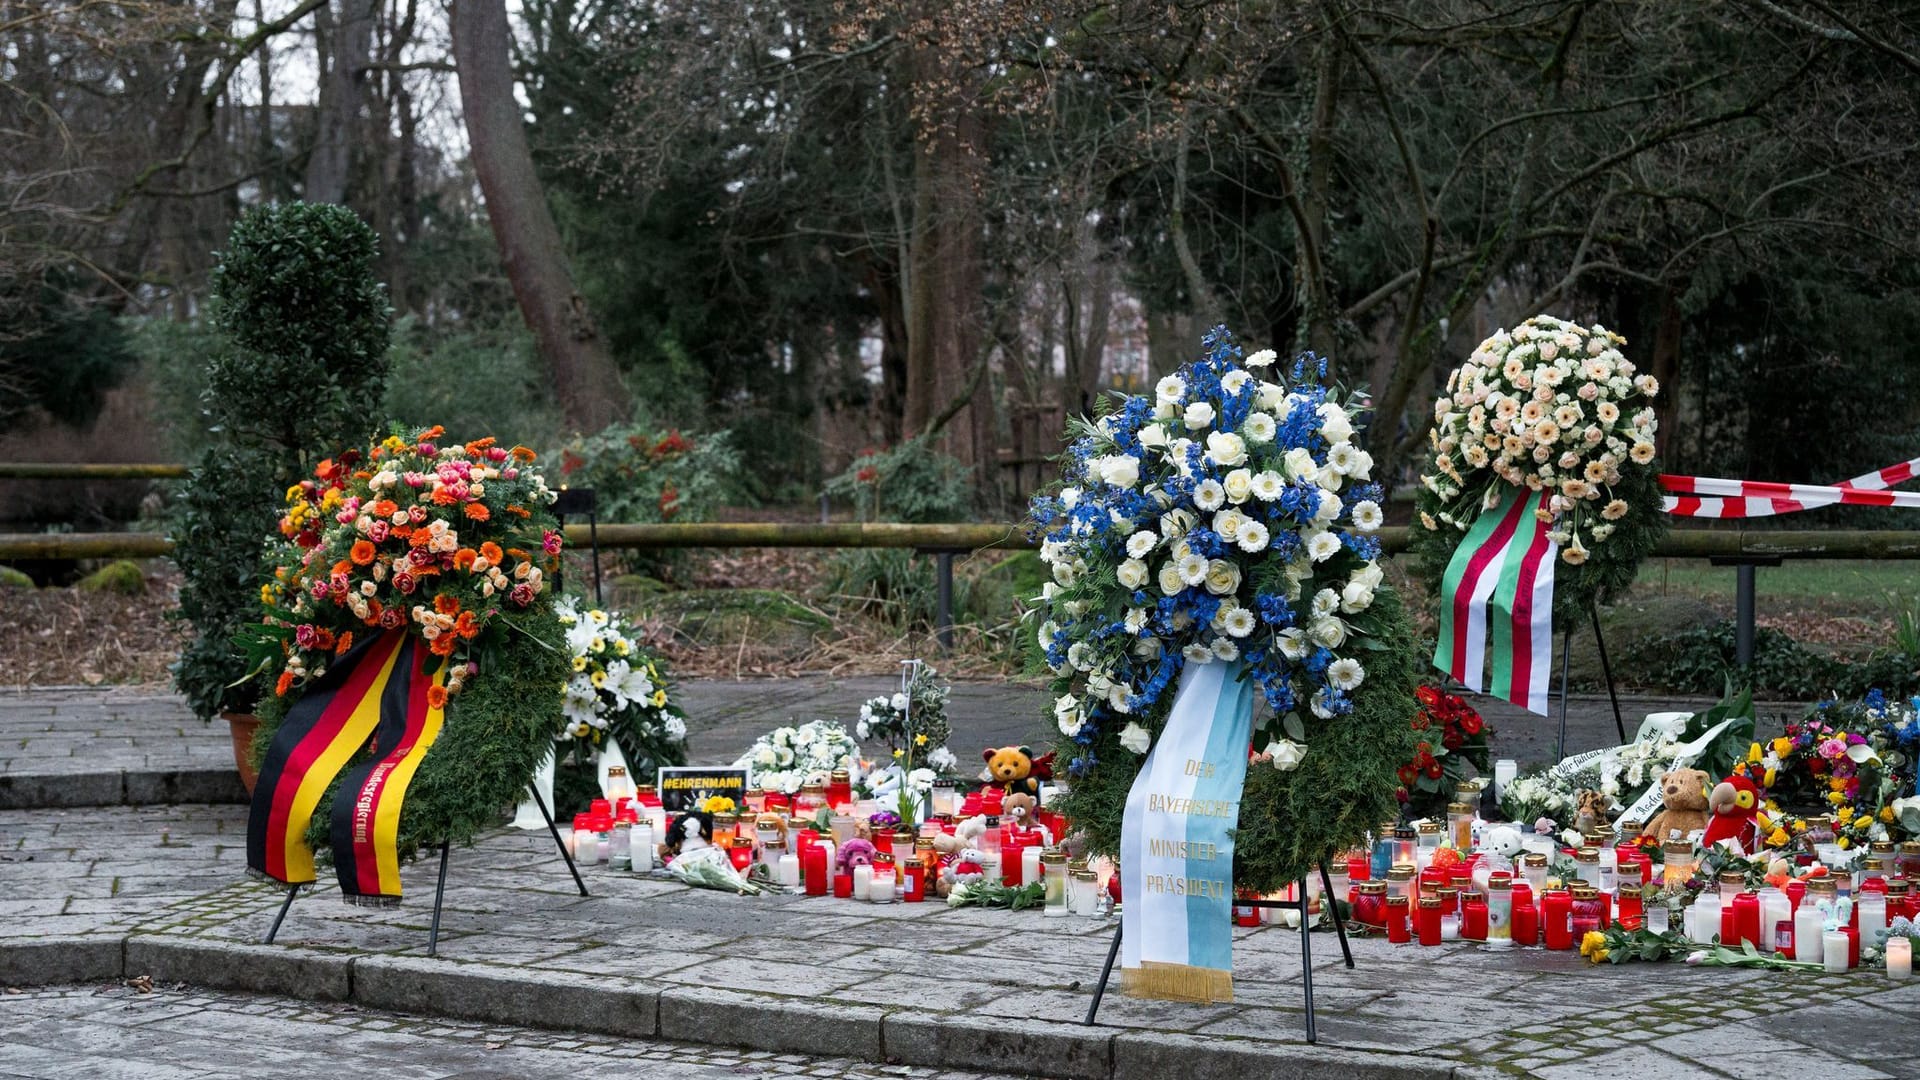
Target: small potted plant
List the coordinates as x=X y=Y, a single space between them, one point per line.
x=302 y=319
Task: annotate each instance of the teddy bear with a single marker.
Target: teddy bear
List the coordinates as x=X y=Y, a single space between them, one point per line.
x=1015 y=769
x=688 y=832
x=1683 y=796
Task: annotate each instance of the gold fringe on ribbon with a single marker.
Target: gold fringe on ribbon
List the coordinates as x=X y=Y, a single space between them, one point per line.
x=1177 y=982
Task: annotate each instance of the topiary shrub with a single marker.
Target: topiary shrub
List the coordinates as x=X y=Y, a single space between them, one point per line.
x=302 y=320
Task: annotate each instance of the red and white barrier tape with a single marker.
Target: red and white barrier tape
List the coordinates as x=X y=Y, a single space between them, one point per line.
x=1700 y=496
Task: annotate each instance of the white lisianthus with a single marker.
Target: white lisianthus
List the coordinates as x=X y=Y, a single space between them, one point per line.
x=1253 y=537
x=1334 y=424
x=1285 y=754
x=1198 y=415
x=1323 y=546
x=1367 y=516
x=1226 y=449
x=1170 y=389
x=1222 y=577
x=1346 y=673
x=1132 y=574
x=1268 y=486
x=1208 y=495
x=1235 y=381
x=1261 y=359
x=1259 y=428
x=1135 y=738
x=1142 y=542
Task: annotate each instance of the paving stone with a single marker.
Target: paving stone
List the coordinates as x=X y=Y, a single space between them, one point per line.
x=1058 y=1049
x=265 y=969
x=1139 y=1054
x=763 y=1023
x=503 y=994
x=1638 y=1062
x=59 y=960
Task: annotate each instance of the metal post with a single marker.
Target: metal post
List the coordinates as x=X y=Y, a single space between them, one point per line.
x=1606 y=672
x=1333 y=905
x=593 y=541
x=1743 y=616
x=943 y=610
x=292 y=891
x=439 y=896
x=1100 y=988
x=557 y=842
x=1566 y=653
x=826 y=509
x=1306 y=959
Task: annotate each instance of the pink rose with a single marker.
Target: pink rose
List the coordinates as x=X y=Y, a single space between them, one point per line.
x=550 y=542
x=496 y=453
x=509 y=474
x=427 y=449
x=417 y=512
x=393 y=618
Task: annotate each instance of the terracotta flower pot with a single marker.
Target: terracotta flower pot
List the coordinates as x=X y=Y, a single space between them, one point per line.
x=243 y=725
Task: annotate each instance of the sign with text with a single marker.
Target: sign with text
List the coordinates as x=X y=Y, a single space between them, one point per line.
x=685 y=787
x=1176 y=842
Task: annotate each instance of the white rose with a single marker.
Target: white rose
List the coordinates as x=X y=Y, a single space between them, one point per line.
x=1334 y=423
x=1063 y=573
x=1239 y=485
x=1135 y=738
x=1261 y=359
x=1270 y=396
x=1198 y=415
x=1328 y=508
x=1227 y=523
x=1222 y=577
x=1175 y=523
x=1120 y=470
x=1285 y=754
x=1170 y=580
x=1299 y=463
x=1226 y=449
x=1356 y=597
x=1328 y=633
x=1132 y=574
x=1153 y=436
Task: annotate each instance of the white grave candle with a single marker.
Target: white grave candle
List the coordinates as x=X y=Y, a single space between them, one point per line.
x=863 y=883
x=1899 y=958
x=1807 y=930
x=1835 y=944
x=642 y=848
x=1872 y=907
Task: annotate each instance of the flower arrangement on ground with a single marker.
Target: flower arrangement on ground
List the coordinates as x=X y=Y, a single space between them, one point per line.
x=1228 y=518
x=450 y=542
x=1555 y=406
x=1848 y=761
x=912 y=722
x=788 y=758
x=618 y=689
x=1429 y=779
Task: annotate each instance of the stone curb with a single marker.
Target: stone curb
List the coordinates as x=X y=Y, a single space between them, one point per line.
x=565 y=1001
x=119 y=787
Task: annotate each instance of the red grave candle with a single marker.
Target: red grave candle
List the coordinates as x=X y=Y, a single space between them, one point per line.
x=1556 y=913
x=741 y=855
x=916 y=887
x=813 y=868
x=1426 y=921
x=1357 y=867
x=1796 y=892
x=1853 y=946
x=1631 y=908
x=1526 y=924
x=1398 y=932
x=843 y=885
x=1473 y=918
x=1746 y=910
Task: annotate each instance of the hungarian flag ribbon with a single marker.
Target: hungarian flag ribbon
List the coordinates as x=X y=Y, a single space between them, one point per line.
x=1497 y=602
x=321 y=733
x=366 y=812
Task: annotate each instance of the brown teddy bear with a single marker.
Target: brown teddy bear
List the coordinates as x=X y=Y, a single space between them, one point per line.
x=1684 y=795
x=1015 y=769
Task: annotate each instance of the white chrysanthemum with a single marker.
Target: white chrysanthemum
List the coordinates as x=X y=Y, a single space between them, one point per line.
x=1193 y=569
x=1323 y=546
x=1239 y=622
x=1268 y=486
x=1209 y=495
x=1261 y=359
x=1170 y=389
x=1367 y=516
x=1259 y=428
x=1141 y=543
x=1346 y=673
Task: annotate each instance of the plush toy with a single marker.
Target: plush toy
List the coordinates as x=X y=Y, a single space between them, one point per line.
x=1735 y=803
x=688 y=832
x=1015 y=769
x=1683 y=795
x=1592 y=807
x=1019 y=808
x=855 y=852
x=968 y=867
x=1504 y=841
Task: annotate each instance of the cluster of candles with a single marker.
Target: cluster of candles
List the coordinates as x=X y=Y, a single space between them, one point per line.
x=1394 y=888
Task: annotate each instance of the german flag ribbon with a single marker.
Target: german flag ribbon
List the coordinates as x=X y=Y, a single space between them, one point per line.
x=321 y=733
x=366 y=812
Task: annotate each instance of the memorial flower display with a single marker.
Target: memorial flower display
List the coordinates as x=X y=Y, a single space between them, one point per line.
x=618 y=688
x=1548 y=406
x=912 y=722
x=1229 y=517
x=788 y=758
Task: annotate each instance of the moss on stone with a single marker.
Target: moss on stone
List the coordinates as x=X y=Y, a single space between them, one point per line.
x=122 y=576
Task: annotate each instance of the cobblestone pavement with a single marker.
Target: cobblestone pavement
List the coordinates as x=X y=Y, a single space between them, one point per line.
x=170 y=1032
x=170 y=880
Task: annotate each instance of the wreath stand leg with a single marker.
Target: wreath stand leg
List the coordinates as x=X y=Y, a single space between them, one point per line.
x=1606 y=671
x=557 y=842
x=439 y=894
x=292 y=891
x=1306 y=946
x=1566 y=655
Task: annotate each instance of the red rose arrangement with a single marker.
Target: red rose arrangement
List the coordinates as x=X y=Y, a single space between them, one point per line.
x=1453 y=748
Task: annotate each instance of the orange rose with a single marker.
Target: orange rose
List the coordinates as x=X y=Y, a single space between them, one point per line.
x=436 y=696
x=362 y=552
x=477 y=511
x=446 y=604
x=463 y=559
x=490 y=551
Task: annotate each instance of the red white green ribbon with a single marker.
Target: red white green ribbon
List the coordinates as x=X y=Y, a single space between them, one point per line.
x=1496 y=602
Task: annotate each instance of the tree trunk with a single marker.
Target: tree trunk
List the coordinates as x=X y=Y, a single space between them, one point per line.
x=346 y=45
x=584 y=376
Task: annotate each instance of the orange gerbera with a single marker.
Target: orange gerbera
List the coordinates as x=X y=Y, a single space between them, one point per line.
x=433 y=432
x=519 y=511
x=436 y=696
x=477 y=511
x=490 y=551
x=323 y=639
x=341 y=646
x=479 y=446
x=463 y=559
x=283 y=684
x=517 y=553
x=523 y=453
x=443 y=645
x=466 y=625
x=344 y=566
x=362 y=552
x=420 y=538
x=443 y=496
x=384 y=508
x=404 y=532
x=446 y=604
